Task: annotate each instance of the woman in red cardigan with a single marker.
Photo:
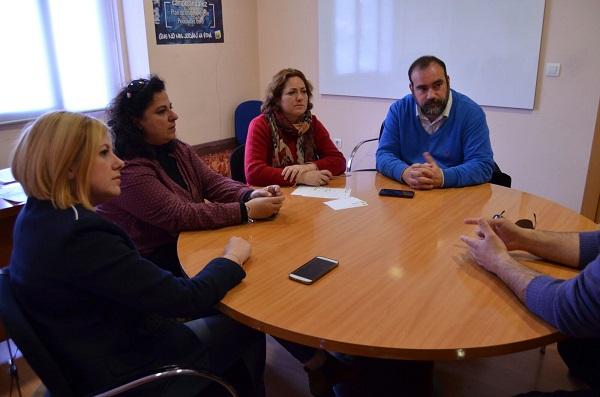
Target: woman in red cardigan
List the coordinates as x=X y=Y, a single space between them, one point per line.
x=286 y=144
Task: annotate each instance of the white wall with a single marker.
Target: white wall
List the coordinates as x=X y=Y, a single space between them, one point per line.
x=206 y=82
x=8 y=138
x=546 y=150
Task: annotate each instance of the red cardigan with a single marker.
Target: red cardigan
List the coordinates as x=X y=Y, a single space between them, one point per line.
x=259 y=153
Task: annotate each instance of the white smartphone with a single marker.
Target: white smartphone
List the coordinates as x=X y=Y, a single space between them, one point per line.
x=313 y=270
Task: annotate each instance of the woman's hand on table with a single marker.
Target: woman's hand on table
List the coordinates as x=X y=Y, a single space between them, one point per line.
x=264 y=207
x=237 y=250
x=315 y=178
x=292 y=172
x=268 y=191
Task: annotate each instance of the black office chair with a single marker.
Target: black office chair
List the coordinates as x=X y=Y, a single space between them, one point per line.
x=236 y=164
x=22 y=333
x=355 y=150
x=499 y=177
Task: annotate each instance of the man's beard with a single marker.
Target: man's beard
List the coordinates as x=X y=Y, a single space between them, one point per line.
x=433 y=108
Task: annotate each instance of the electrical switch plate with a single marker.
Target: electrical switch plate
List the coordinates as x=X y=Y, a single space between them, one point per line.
x=552 y=69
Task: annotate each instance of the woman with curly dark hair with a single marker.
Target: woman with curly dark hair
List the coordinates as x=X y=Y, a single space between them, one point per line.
x=166 y=188
x=286 y=144
x=164 y=185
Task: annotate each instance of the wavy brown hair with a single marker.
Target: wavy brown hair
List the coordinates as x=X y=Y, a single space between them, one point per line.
x=275 y=89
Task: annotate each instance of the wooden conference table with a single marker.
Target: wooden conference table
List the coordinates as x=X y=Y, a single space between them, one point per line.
x=405 y=286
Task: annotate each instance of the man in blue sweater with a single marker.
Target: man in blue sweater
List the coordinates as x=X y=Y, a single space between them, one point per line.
x=434 y=137
x=572 y=306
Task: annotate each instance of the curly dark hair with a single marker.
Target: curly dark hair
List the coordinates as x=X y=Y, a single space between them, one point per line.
x=275 y=89
x=130 y=104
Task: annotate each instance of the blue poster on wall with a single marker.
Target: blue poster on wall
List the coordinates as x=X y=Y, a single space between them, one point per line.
x=188 y=21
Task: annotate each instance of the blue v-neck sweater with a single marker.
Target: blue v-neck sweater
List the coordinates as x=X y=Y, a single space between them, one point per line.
x=573 y=305
x=461 y=147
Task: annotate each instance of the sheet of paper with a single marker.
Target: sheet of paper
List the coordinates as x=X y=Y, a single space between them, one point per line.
x=347 y=202
x=13 y=192
x=321 y=192
x=6 y=176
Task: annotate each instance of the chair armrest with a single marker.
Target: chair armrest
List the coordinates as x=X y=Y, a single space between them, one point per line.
x=358 y=145
x=166 y=372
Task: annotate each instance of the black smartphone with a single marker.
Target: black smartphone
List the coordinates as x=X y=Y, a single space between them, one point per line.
x=313 y=270
x=397 y=193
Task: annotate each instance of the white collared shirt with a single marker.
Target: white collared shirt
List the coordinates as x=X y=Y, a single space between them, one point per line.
x=432 y=126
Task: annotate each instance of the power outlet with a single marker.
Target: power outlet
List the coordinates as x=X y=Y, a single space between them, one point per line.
x=338 y=142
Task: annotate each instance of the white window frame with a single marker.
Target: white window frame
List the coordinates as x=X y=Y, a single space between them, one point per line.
x=109 y=20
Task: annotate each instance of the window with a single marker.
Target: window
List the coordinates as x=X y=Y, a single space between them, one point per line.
x=57 y=54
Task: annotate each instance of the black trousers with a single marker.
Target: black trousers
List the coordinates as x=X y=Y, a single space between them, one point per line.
x=582 y=356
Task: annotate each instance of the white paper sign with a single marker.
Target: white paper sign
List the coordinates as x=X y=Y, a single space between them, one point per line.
x=321 y=192
x=347 y=202
x=13 y=192
x=6 y=176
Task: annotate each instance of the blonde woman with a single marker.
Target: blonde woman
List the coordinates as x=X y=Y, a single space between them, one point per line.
x=104 y=312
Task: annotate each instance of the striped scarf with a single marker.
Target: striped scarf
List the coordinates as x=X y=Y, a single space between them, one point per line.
x=302 y=131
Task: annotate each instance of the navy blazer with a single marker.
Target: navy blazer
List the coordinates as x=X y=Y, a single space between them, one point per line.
x=103 y=311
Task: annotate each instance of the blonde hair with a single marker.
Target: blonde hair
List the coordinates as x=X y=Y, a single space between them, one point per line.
x=53 y=159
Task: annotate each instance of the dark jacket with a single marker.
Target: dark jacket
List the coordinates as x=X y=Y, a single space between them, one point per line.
x=103 y=311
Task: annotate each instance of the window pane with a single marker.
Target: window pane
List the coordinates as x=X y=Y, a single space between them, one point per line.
x=27 y=84
x=367 y=26
x=80 y=45
x=345 y=36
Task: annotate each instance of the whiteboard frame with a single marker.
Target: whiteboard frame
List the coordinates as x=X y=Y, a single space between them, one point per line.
x=491 y=48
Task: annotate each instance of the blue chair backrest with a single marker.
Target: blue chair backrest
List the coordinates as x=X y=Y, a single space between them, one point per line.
x=243 y=115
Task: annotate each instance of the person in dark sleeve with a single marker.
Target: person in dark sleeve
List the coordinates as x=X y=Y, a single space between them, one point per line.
x=104 y=312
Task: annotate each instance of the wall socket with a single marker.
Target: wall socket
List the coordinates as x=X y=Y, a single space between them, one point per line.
x=338 y=142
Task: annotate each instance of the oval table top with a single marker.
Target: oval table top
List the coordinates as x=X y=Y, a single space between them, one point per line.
x=405 y=286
